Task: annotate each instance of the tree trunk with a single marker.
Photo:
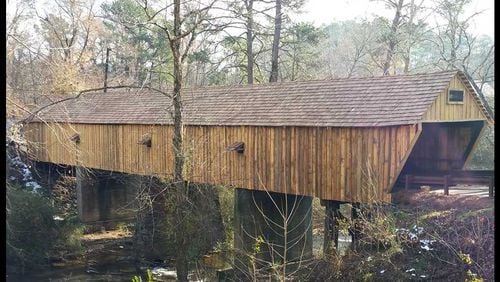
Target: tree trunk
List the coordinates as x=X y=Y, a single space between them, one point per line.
x=407 y=62
x=392 y=38
x=151 y=75
x=276 y=41
x=413 y=11
x=453 y=51
x=180 y=189
x=249 y=7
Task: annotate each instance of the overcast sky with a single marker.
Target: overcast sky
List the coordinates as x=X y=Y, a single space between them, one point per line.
x=324 y=11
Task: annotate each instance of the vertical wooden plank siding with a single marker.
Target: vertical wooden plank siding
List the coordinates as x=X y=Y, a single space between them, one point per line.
x=330 y=163
x=334 y=176
x=441 y=110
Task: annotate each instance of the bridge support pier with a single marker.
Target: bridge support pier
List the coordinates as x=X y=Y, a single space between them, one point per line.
x=269 y=227
x=333 y=215
x=357 y=211
x=331 y=235
x=105 y=196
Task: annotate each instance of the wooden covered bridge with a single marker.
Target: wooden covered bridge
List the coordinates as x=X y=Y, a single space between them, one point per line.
x=343 y=140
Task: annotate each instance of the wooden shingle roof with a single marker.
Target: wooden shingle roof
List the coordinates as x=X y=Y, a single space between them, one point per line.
x=348 y=102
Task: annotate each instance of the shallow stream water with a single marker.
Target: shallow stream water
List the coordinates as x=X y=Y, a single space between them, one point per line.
x=112 y=260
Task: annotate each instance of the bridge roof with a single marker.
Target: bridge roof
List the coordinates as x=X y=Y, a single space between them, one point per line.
x=346 y=102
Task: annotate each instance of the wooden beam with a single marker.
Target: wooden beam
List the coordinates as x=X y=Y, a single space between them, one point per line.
x=447 y=184
x=355 y=232
x=490 y=187
x=408 y=179
x=331 y=234
x=405 y=158
x=451 y=121
x=474 y=143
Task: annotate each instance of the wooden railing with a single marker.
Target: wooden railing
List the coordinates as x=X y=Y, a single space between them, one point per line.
x=452 y=178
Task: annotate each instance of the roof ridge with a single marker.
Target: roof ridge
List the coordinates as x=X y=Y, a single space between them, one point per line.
x=282 y=83
x=291 y=83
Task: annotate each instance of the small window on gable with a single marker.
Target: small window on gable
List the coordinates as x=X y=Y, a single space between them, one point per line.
x=455 y=96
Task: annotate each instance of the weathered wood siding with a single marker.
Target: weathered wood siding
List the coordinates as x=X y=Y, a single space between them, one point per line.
x=441 y=110
x=346 y=164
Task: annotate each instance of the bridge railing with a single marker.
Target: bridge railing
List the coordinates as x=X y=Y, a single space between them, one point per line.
x=452 y=178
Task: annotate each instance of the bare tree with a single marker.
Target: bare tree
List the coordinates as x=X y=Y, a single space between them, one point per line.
x=23 y=54
x=68 y=27
x=249 y=19
x=276 y=42
x=393 y=39
x=245 y=16
x=481 y=65
x=454 y=42
x=413 y=31
x=352 y=48
x=188 y=21
x=57 y=43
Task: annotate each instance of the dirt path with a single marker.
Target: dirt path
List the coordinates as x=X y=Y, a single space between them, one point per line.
x=466 y=190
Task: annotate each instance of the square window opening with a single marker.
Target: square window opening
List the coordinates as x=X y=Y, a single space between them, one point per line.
x=455 y=96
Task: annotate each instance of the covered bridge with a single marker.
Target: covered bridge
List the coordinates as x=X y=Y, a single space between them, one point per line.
x=344 y=139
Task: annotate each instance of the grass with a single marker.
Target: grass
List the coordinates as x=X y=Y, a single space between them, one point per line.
x=428 y=237
x=435 y=214
x=473 y=214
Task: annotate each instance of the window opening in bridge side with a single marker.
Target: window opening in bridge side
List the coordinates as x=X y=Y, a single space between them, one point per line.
x=75 y=138
x=239 y=147
x=146 y=140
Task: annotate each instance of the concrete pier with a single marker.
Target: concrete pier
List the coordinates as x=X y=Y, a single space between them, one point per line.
x=104 y=195
x=270 y=229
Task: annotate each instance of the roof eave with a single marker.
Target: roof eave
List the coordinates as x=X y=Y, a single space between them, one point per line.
x=483 y=104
